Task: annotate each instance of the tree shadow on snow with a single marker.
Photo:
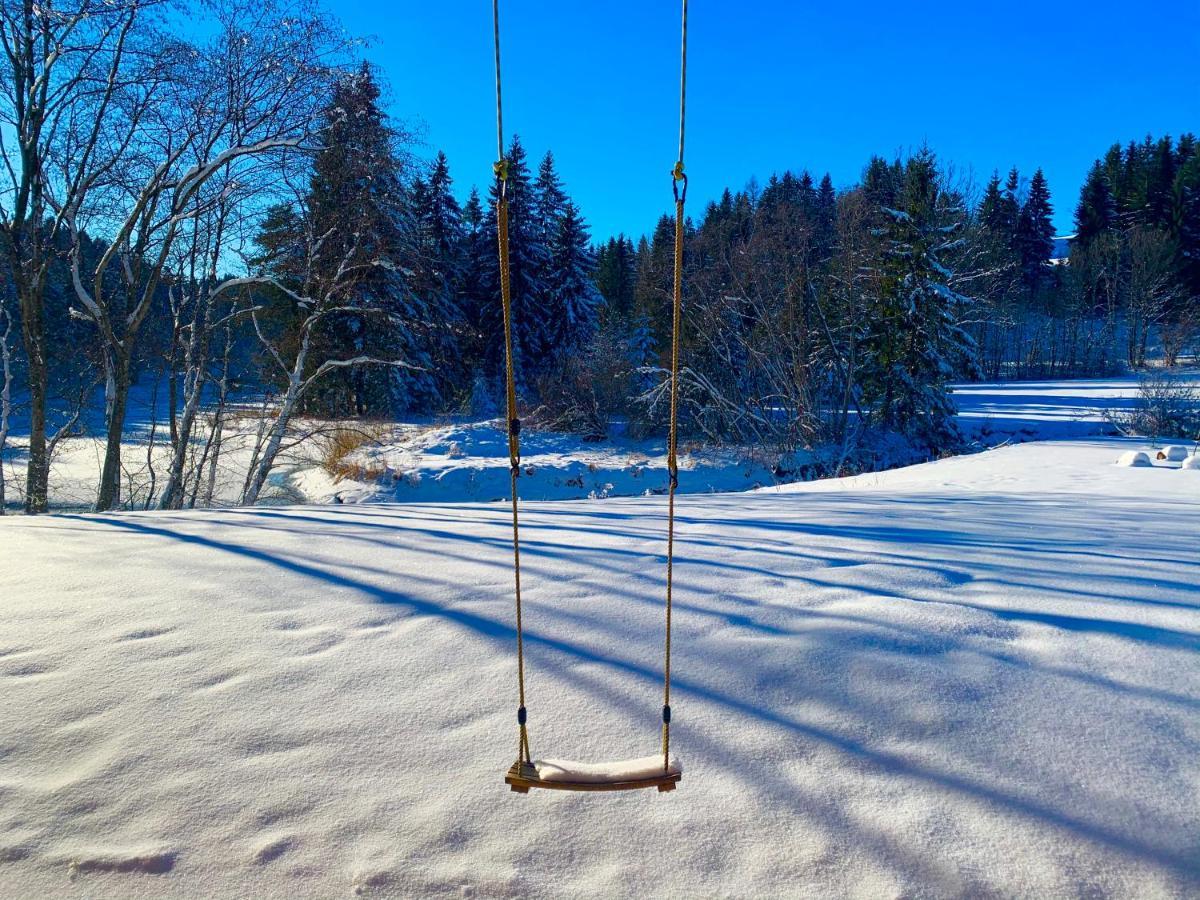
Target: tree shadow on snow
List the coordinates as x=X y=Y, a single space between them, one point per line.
x=1018 y=557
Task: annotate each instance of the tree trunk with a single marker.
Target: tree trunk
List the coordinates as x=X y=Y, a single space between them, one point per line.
x=195 y=358
x=117 y=389
x=173 y=491
x=5 y=406
x=37 y=475
x=274 y=440
x=214 y=458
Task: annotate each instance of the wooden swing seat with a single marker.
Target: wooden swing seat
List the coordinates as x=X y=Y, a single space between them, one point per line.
x=564 y=775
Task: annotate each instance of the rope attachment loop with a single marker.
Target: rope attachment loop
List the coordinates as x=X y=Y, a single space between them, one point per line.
x=678 y=177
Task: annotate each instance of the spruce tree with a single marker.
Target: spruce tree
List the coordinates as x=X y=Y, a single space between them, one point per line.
x=441 y=223
x=655 y=264
x=807 y=196
x=991 y=212
x=881 y=183
x=1119 y=166
x=769 y=200
x=478 y=259
x=826 y=218
x=571 y=297
x=527 y=261
x=550 y=199
x=1096 y=213
x=1035 y=232
x=1189 y=235
x=616 y=275
x=1160 y=186
x=438 y=270
x=914 y=344
x=1010 y=205
x=357 y=203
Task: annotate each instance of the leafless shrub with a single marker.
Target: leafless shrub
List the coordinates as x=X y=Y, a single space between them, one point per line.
x=1166 y=406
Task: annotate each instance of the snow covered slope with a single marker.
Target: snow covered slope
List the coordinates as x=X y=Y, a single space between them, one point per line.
x=978 y=677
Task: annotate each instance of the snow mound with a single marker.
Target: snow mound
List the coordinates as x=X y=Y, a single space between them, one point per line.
x=1134 y=459
x=1192 y=462
x=591 y=773
x=1174 y=453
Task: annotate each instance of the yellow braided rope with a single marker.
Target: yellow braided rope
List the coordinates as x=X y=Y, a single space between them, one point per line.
x=678 y=177
x=514 y=441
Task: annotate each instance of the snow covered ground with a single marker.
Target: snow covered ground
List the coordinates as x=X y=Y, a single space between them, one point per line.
x=977 y=677
x=468 y=461
x=1045 y=409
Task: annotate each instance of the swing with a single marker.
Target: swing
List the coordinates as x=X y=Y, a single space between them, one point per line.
x=663 y=770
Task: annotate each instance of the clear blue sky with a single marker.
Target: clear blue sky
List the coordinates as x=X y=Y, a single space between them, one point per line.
x=776 y=84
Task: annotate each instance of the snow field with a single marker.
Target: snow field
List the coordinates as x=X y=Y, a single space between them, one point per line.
x=975 y=677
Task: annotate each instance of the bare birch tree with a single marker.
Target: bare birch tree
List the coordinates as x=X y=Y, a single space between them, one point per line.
x=314 y=297
x=189 y=115
x=56 y=57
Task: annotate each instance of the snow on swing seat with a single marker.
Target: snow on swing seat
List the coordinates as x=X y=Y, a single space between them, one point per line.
x=621 y=770
x=568 y=775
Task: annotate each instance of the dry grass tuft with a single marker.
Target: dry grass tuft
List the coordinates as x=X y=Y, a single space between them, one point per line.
x=339 y=444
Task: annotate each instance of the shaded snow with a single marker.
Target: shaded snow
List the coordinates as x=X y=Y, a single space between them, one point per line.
x=1050 y=409
x=975 y=677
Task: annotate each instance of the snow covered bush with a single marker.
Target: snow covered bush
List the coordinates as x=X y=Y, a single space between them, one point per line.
x=587 y=389
x=579 y=395
x=1166 y=406
x=482 y=403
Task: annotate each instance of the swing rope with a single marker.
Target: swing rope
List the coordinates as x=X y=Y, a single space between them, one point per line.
x=514 y=422
x=679 y=189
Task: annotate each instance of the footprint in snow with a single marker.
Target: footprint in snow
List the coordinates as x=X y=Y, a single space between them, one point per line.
x=143 y=634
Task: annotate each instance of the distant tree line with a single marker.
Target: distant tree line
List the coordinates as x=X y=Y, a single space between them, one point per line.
x=819 y=317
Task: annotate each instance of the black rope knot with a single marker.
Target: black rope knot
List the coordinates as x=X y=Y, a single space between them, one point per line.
x=521 y=715
x=514 y=428
x=666 y=714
